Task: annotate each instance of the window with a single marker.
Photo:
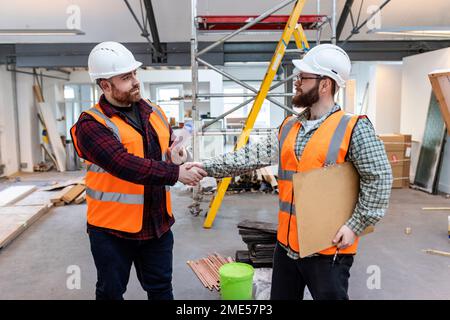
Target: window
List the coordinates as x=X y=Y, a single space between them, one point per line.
x=78 y=98
x=263 y=119
x=164 y=96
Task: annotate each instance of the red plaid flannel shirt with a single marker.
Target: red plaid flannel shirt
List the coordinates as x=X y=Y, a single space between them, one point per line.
x=98 y=145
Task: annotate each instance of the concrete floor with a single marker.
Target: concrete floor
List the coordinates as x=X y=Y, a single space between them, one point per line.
x=34 y=265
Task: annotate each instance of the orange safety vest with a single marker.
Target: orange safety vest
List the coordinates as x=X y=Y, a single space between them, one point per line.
x=328 y=145
x=115 y=203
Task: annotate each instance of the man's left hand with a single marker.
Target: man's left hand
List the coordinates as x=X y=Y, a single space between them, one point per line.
x=344 y=238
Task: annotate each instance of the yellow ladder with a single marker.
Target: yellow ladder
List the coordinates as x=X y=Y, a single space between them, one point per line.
x=293 y=28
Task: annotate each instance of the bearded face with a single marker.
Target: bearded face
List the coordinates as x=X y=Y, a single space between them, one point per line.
x=126 y=97
x=306 y=99
x=124 y=88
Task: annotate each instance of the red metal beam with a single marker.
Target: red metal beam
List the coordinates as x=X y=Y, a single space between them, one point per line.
x=274 y=22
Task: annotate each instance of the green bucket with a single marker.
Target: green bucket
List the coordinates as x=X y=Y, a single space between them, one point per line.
x=236 y=281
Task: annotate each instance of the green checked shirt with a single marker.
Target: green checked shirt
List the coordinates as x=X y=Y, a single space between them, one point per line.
x=366 y=152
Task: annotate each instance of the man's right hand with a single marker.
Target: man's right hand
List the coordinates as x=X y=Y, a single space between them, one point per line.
x=191 y=173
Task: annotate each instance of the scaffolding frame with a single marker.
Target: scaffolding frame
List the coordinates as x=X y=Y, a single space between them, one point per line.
x=302 y=45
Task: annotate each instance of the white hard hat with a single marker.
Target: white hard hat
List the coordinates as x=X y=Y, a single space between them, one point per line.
x=109 y=59
x=326 y=60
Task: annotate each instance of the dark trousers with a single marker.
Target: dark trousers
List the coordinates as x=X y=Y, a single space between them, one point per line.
x=113 y=257
x=325 y=280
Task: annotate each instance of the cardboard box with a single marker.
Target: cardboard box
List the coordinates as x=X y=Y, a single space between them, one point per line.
x=398 y=151
x=396 y=142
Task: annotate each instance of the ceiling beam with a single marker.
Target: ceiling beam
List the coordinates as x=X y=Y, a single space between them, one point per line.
x=58 y=55
x=343 y=18
x=356 y=29
x=152 y=23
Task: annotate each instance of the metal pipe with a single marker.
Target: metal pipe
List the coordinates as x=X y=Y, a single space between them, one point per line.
x=294 y=51
x=195 y=206
x=246 y=102
x=232 y=132
x=248 y=25
x=227 y=75
x=33 y=74
x=16 y=117
x=223 y=115
x=194 y=72
x=343 y=19
x=152 y=23
x=244 y=95
x=144 y=31
x=245 y=85
x=354 y=31
x=333 y=24
x=318 y=29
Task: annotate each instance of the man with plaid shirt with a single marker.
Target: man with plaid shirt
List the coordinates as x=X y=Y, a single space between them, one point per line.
x=325 y=273
x=125 y=141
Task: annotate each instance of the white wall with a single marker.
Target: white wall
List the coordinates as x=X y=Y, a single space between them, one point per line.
x=388 y=79
x=416 y=93
x=363 y=73
x=28 y=122
x=383 y=94
x=8 y=142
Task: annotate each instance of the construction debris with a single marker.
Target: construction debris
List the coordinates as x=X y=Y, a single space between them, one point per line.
x=20 y=206
x=69 y=194
x=15 y=219
x=261 y=238
x=207 y=269
x=437 y=252
x=43 y=167
x=436 y=208
x=81 y=198
x=13 y=194
x=261 y=180
x=60 y=185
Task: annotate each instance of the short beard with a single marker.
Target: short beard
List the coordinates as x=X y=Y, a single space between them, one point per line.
x=125 y=98
x=306 y=100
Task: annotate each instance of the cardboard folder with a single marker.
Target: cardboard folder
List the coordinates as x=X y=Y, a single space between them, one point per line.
x=324 y=200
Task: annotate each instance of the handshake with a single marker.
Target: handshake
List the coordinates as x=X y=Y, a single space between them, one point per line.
x=191 y=173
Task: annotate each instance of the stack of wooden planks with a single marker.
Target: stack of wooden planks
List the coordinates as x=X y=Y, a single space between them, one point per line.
x=15 y=214
x=207 y=269
x=22 y=205
x=72 y=191
x=260 y=238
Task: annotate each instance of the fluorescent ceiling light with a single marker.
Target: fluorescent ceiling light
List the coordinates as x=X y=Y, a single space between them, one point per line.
x=434 y=32
x=40 y=32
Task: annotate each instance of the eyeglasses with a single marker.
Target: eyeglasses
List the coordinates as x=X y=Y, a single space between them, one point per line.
x=301 y=78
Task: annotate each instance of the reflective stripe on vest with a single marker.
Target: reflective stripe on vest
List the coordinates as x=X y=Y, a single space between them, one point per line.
x=328 y=145
x=161 y=116
x=115 y=130
x=332 y=154
x=115 y=197
x=283 y=134
x=108 y=122
x=115 y=203
x=92 y=167
x=286 y=206
x=336 y=141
